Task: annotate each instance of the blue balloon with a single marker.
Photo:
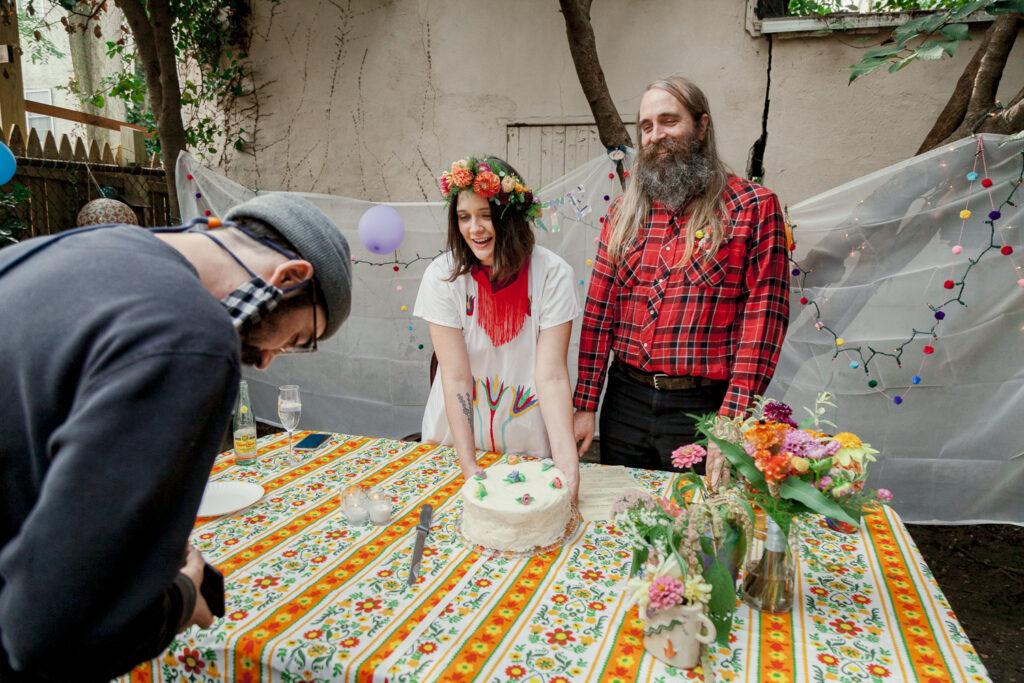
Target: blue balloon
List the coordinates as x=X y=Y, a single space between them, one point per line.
x=7 y=164
x=381 y=229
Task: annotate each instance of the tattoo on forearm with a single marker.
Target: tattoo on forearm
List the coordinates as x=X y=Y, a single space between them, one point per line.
x=466 y=402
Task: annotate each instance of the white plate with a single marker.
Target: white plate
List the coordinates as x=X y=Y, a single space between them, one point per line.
x=223 y=497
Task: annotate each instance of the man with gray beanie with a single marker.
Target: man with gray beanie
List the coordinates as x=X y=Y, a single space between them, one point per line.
x=122 y=360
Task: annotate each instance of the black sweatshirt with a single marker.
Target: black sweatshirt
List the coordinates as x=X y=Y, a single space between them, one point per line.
x=118 y=371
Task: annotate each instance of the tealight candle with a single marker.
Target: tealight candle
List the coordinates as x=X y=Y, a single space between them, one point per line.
x=380 y=508
x=356 y=515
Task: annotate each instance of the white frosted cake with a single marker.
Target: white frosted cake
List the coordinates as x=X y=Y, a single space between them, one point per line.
x=516 y=507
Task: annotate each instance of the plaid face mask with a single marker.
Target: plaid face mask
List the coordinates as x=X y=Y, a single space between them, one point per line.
x=251 y=302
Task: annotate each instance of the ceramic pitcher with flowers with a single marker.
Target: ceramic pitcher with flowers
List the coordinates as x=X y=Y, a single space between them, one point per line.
x=674 y=634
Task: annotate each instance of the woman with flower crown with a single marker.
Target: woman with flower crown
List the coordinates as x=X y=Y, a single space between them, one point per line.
x=500 y=310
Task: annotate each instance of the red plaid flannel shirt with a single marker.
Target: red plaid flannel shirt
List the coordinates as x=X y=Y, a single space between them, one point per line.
x=724 y=319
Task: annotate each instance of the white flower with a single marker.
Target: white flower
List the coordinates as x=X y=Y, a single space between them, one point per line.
x=638 y=587
x=696 y=590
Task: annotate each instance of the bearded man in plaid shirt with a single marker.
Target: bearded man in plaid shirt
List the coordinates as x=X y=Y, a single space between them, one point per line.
x=689 y=291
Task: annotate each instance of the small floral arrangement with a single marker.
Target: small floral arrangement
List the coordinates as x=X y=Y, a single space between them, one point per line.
x=793 y=469
x=678 y=550
x=493 y=181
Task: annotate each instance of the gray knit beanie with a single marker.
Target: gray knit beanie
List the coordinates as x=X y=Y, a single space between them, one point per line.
x=317 y=240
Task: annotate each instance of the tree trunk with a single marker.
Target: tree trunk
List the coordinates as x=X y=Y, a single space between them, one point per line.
x=155 y=44
x=583 y=47
x=972 y=107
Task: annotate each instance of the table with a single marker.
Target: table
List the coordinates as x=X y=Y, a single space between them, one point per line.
x=310 y=598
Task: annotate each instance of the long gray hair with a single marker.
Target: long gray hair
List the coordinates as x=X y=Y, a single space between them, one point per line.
x=707 y=212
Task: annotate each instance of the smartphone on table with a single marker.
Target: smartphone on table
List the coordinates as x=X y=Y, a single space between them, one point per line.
x=311 y=442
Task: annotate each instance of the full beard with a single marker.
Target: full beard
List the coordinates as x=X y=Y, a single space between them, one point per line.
x=673 y=179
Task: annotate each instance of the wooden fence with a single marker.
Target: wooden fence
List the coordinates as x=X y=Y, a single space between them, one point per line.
x=63 y=176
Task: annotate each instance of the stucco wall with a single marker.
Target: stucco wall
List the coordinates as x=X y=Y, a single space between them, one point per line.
x=373 y=99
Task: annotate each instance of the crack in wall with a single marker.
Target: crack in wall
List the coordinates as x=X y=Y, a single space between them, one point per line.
x=755 y=158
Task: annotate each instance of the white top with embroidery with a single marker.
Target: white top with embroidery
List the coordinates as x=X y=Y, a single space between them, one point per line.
x=506 y=414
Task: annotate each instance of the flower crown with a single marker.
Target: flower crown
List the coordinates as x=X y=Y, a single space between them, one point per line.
x=494 y=182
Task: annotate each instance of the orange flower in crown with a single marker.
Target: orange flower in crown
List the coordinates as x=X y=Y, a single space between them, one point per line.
x=460 y=174
x=486 y=184
x=493 y=181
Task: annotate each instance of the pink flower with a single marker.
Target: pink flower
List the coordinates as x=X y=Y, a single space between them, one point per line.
x=445 y=181
x=630 y=497
x=884 y=495
x=688 y=456
x=486 y=184
x=824 y=482
x=665 y=592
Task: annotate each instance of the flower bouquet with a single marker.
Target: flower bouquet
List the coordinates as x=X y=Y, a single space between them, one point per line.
x=791 y=470
x=679 y=565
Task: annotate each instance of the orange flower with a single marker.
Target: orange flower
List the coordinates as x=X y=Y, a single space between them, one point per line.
x=461 y=175
x=487 y=184
x=767 y=434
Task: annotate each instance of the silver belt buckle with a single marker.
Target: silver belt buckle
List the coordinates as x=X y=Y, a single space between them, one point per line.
x=657 y=376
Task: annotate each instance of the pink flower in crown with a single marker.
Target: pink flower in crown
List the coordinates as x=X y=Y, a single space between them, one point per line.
x=687 y=456
x=486 y=184
x=884 y=495
x=445 y=182
x=480 y=168
x=461 y=175
x=508 y=183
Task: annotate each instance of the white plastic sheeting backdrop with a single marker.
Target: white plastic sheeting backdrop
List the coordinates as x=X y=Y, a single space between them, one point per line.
x=879 y=249
x=372 y=378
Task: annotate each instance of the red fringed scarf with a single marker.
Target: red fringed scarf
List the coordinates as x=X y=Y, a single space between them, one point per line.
x=502 y=306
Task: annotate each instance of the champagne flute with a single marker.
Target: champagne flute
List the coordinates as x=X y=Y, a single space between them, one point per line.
x=289 y=407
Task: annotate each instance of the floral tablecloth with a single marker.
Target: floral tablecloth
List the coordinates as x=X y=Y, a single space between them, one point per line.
x=310 y=598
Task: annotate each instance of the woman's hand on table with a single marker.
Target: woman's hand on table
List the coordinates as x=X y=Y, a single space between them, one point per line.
x=569 y=464
x=193 y=569
x=469 y=467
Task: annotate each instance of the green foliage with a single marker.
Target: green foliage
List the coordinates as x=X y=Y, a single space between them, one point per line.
x=31 y=32
x=11 y=226
x=930 y=37
x=804 y=8
x=211 y=39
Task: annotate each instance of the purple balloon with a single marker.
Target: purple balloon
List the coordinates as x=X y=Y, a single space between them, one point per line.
x=381 y=229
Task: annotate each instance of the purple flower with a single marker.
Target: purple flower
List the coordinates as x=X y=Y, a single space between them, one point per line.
x=824 y=482
x=884 y=495
x=777 y=411
x=688 y=456
x=803 y=445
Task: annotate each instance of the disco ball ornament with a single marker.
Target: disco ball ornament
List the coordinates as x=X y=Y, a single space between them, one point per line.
x=103 y=210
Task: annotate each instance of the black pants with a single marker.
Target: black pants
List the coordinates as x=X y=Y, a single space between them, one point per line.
x=641 y=426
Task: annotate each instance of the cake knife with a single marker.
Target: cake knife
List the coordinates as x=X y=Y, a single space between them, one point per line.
x=422 y=529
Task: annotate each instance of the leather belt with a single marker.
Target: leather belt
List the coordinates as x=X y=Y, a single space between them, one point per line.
x=662 y=382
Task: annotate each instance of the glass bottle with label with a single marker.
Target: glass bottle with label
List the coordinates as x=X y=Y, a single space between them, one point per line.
x=244 y=428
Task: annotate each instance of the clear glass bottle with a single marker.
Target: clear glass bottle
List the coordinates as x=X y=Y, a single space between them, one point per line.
x=768 y=584
x=244 y=428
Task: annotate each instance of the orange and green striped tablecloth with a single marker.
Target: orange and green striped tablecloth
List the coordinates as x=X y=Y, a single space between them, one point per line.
x=310 y=598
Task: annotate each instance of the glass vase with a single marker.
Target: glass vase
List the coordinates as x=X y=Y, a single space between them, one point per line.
x=769 y=583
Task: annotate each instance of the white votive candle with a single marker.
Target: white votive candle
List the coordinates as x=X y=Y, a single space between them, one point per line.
x=356 y=515
x=380 y=507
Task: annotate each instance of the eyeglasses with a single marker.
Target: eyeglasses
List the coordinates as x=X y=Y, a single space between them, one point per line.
x=310 y=346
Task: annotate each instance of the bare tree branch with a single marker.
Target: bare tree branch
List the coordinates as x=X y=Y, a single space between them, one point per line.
x=986 y=80
x=583 y=48
x=956 y=107
x=151 y=26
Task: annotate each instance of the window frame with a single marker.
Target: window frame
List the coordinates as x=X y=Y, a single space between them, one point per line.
x=819 y=26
